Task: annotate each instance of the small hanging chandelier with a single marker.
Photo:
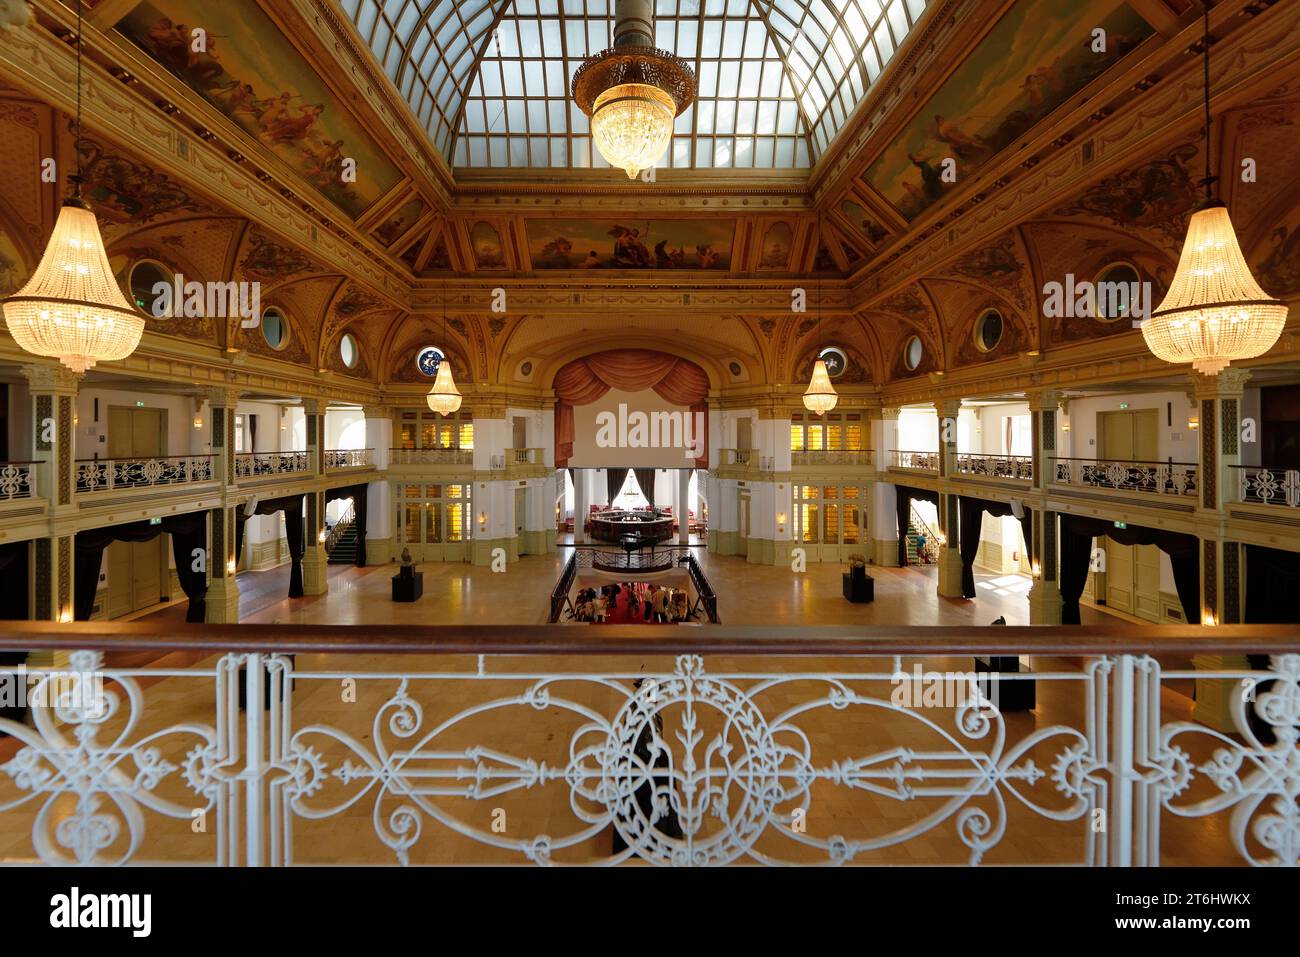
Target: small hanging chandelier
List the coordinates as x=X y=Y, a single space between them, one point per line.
x=444 y=398
x=633 y=92
x=71 y=308
x=820 y=396
x=1215 y=311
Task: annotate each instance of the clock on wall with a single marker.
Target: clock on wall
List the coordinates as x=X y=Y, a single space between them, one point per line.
x=428 y=361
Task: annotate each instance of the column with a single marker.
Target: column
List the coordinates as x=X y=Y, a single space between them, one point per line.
x=223 y=589
x=315 y=411
x=492 y=517
x=53 y=403
x=683 y=506
x=949 y=556
x=1218 y=403
x=579 y=506
x=315 y=560
x=1045 y=594
x=379 y=494
x=882 y=505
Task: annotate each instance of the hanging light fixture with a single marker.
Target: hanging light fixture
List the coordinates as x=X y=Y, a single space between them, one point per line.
x=1215 y=311
x=820 y=396
x=633 y=92
x=444 y=398
x=71 y=308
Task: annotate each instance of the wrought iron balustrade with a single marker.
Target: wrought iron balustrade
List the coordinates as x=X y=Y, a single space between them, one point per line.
x=100 y=475
x=16 y=480
x=741 y=457
x=437 y=456
x=337 y=459
x=916 y=461
x=525 y=456
x=1268 y=486
x=831 y=457
x=1158 y=478
x=689 y=746
x=1019 y=467
x=264 y=464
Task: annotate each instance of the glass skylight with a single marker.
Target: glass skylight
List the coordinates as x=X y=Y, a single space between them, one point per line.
x=778 y=78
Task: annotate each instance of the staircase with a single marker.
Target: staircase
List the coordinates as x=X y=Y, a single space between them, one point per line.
x=916 y=553
x=344 y=551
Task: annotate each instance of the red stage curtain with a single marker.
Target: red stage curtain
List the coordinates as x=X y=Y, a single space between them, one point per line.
x=584 y=381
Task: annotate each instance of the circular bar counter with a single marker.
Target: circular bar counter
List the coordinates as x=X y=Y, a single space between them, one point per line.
x=648 y=527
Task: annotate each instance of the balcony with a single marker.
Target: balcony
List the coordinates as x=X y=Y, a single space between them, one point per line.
x=1166 y=479
x=525 y=456
x=340 y=460
x=927 y=462
x=1268 y=486
x=17 y=481
x=431 y=457
x=262 y=465
x=1017 y=468
x=103 y=475
x=841 y=730
x=846 y=457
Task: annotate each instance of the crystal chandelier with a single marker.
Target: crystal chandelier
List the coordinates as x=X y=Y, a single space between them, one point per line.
x=633 y=92
x=71 y=308
x=1215 y=311
x=444 y=398
x=820 y=397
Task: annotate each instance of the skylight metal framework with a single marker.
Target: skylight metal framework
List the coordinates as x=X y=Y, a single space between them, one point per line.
x=489 y=79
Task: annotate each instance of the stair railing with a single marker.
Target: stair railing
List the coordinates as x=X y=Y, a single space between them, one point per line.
x=342 y=525
x=929 y=555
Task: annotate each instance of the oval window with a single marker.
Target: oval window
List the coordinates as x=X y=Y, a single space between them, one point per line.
x=988 y=330
x=1116 y=290
x=913 y=353
x=144 y=279
x=348 y=350
x=275 y=327
x=836 y=361
x=428 y=361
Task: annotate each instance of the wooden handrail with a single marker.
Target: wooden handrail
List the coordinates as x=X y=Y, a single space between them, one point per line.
x=948 y=641
x=144 y=458
x=1066 y=458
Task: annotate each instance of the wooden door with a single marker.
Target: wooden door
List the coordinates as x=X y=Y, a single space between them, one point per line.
x=1132 y=571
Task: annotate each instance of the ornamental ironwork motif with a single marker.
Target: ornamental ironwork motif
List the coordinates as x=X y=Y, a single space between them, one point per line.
x=1159 y=478
x=1269 y=486
x=1019 y=467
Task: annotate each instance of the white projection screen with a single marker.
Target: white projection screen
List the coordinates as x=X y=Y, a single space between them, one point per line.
x=635 y=430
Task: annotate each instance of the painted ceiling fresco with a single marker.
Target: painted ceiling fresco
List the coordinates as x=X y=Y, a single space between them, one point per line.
x=990 y=101
x=266 y=86
x=639 y=244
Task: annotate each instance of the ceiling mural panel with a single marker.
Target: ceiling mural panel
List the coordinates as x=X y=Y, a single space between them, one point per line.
x=990 y=100
x=631 y=244
x=262 y=83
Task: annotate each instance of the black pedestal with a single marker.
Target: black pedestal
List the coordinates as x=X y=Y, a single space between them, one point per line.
x=859 y=588
x=408 y=587
x=1017 y=694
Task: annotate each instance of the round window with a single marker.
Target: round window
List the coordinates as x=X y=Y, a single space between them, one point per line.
x=988 y=331
x=836 y=361
x=1116 y=290
x=145 y=280
x=348 y=350
x=275 y=327
x=428 y=361
x=913 y=353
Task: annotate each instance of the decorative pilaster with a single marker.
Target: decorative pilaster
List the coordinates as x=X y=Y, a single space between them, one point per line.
x=315 y=561
x=882 y=500
x=949 y=554
x=223 y=590
x=379 y=496
x=221 y=430
x=315 y=412
x=1044 y=410
x=1045 y=594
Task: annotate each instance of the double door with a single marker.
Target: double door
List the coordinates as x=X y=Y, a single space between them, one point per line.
x=1132 y=577
x=137 y=571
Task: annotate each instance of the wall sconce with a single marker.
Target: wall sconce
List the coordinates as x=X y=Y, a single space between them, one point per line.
x=1036 y=570
x=1193 y=422
x=482 y=521
x=198 y=422
x=1065 y=425
x=230 y=567
x=1208 y=619
x=322 y=535
x=65 y=616
x=941 y=538
x=780 y=522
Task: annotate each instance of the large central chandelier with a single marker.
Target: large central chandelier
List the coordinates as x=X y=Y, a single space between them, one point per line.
x=444 y=398
x=72 y=308
x=1215 y=311
x=633 y=92
x=820 y=396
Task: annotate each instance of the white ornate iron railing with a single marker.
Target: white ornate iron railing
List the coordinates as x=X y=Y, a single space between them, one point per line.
x=916 y=461
x=632 y=743
x=100 y=475
x=337 y=459
x=1019 y=467
x=525 y=456
x=831 y=457
x=1159 y=478
x=261 y=464
x=338 y=528
x=431 y=457
x=1268 y=486
x=16 y=480
x=742 y=457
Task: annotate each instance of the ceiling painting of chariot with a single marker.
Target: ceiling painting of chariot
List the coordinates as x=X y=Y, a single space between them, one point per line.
x=641 y=244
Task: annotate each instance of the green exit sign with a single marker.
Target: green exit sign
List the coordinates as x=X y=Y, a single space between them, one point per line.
x=1123 y=405
x=1121 y=524
x=139 y=405
x=155 y=521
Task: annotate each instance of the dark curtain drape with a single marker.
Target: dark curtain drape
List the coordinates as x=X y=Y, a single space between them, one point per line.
x=358 y=494
x=645 y=479
x=1077 y=533
x=971 y=511
x=15 y=569
x=906 y=494
x=252 y=432
x=614 y=479
x=1272 y=582
x=293 y=524
x=188 y=532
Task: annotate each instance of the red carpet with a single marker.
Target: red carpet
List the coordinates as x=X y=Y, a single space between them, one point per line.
x=621 y=615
